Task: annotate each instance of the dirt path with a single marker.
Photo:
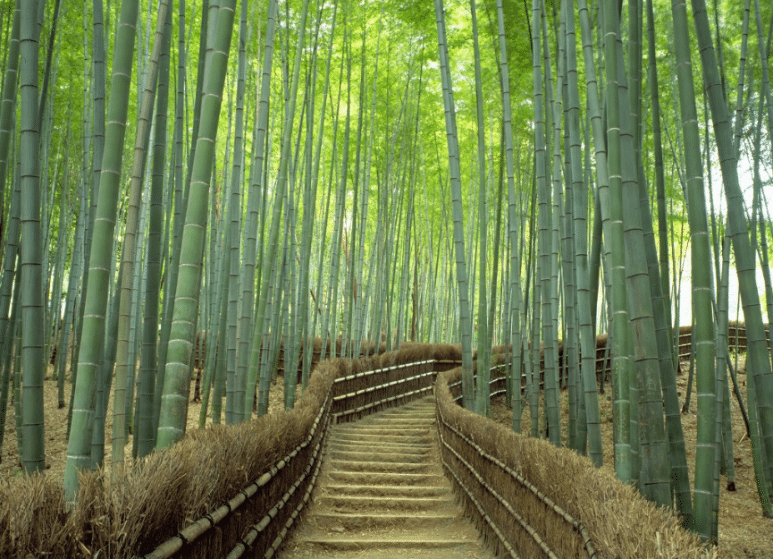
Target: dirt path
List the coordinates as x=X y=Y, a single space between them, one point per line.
x=382 y=494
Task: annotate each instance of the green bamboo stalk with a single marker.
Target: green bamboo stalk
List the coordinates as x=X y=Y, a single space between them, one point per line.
x=563 y=200
x=10 y=270
x=18 y=383
x=456 y=190
x=182 y=193
x=135 y=326
x=214 y=376
x=655 y=467
x=580 y=211
x=766 y=107
x=305 y=343
x=482 y=402
x=363 y=302
x=626 y=442
x=289 y=327
x=233 y=378
x=85 y=219
x=706 y=518
x=247 y=322
x=544 y=237
x=8 y=324
x=123 y=363
x=313 y=179
x=514 y=291
x=350 y=280
x=723 y=364
x=739 y=104
x=219 y=328
x=262 y=324
x=90 y=347
x=144 y=435
x=757 y=353
x=55 y=325
x=661 y=302
x=172 y=419
x=536 y=366
x=8 y=101
x=105 y=374
x=552 y=178
x=32 y=319
x=329 y=322
x=98 y=151
x=332 y=180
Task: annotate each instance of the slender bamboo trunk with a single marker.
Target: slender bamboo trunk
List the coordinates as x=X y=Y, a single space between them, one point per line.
x=758 y=355
x=143 y=433
x=456 y=189
x=236 y=378
x=7 y=107
x=706 y=518
x=123 y=363
x=32 y=319
x=172 y=419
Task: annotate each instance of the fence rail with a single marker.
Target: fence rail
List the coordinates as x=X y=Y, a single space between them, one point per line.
x=384 y=387
x=518 y=515
x=199 y=536
x=259 y=517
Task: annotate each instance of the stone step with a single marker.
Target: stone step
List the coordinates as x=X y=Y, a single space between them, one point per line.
x=376 y=438
x=407 y=420
x=343 y=522
x=342 y=503
x=462 y=551
x=385 y=429
x=390 y=538
x=381 y=494
x=367 y=446
x=389 y=490
x=381 y=467
x=379 y=455
x=386 y=478
x=424 y=412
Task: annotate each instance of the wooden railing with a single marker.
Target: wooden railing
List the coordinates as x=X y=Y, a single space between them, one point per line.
x=261 y=515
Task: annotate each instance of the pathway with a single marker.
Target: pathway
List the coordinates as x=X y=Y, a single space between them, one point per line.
x=382 y=494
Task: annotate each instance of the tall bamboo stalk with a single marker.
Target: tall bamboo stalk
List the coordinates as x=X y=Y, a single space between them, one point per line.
x=706 y=518
x=172 y=419
x=456 y=190
x=757 y=353
x=32 y=319
x=162 y=39
x=8 y=102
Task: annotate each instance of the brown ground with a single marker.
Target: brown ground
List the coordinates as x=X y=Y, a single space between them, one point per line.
x=56 y=430
x=743 y=532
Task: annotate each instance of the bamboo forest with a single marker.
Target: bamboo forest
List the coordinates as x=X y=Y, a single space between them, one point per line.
x=197 y=195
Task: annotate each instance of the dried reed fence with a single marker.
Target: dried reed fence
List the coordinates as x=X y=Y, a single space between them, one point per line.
x=237 y=490
x=225 y=491
x=531 y=499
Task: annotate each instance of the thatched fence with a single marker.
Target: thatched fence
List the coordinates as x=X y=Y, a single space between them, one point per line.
x=234 y=491
x=532 y=499
x=225 y=491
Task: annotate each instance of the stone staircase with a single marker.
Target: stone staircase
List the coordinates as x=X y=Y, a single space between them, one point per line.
x=382 y=494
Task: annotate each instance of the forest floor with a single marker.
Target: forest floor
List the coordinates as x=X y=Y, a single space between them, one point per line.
x=56 y=429
x=743 y=532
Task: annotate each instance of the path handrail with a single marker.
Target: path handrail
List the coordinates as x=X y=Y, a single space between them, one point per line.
x=267 y=479
x=353 y=389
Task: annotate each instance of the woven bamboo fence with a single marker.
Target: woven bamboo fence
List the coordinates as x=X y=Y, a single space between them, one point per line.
x=233 y=491
x=529 y=498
